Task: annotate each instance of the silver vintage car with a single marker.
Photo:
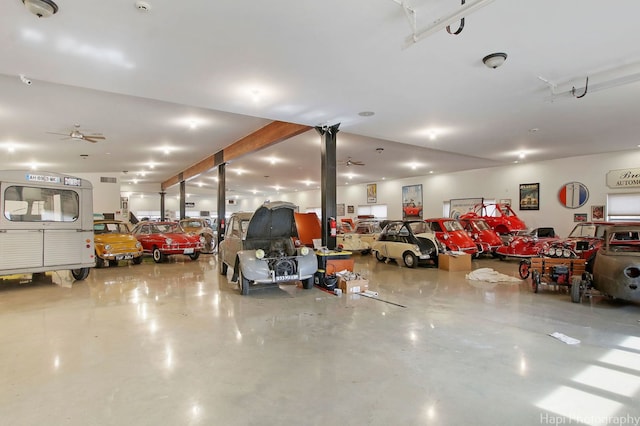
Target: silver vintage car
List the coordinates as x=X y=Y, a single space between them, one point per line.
x=260 y=250
x=616 y=270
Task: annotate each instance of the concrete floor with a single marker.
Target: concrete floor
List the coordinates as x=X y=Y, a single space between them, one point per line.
x=175 y=344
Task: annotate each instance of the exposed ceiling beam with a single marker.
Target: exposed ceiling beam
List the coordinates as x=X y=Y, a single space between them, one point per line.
x=270 y=134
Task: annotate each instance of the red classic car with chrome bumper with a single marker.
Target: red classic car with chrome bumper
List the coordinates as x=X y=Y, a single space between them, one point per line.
x=161 y=239
x=452 y=235
x=500 y=217
x=486 y=239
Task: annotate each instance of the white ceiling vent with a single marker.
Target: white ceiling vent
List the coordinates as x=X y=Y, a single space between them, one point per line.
x=104 y=179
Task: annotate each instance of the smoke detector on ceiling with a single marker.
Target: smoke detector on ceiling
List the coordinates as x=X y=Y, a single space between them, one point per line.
x=41 y=8
x=143 y=6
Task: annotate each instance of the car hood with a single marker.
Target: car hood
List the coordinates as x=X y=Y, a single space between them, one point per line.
x=272 y=220
x=177 y=238
x=114 y=238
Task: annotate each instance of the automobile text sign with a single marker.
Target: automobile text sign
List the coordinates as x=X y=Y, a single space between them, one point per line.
x=623 y=178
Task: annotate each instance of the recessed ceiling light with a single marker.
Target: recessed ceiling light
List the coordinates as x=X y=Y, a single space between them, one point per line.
x=366 y=113
x=143 y=6
x=521 y=155
x=535 y=129
x=41 y=8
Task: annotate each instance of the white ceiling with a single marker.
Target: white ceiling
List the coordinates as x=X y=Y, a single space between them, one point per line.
x=141 y=79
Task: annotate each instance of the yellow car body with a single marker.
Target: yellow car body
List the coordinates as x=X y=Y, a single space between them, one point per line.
x=114 y=242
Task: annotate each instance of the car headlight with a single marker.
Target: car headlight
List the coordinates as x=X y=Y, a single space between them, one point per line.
x=545 y=250
x=416 y=248
x=168 y=241
x=202 y=240
x=259 y=254
x=566 y=253
x=138 y=245
x=304 y=251
x=558 y=252
x=107 y=247
x=445 y=236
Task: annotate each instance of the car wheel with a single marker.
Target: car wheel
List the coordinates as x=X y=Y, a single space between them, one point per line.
x=194 y=256
x=244 y=284
x=137 y=260
x=113 y=263
x=158 y=257
x=380 y=257
x=80 y=274
x=410 y=259
x=308 y=283
x=99 y=262
x=575 y=289
x=365 y=252
x=223 y=266
x=523 y=268
x=209 y=243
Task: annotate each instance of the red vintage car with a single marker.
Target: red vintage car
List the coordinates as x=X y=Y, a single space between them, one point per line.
x=486 y=239
x=452 y=235
x=500 y=217
x=583 y=242
x=411 y=209
x=527 y=244
x=161 y=239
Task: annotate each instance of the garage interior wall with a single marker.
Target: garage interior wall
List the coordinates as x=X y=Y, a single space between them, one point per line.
x=493 y=183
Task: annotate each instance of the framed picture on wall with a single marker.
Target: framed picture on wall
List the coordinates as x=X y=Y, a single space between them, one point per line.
x=529 y=196
x=412 y=202
x=597 y=212
x=340 y=209
x=372 y=193
x=579 y=217
x=350 y=209
x=460 y=206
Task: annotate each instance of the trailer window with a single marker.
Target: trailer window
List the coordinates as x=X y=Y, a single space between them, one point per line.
x=29 y=204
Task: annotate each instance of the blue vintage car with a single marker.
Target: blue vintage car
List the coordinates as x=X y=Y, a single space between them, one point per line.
x=260 y=249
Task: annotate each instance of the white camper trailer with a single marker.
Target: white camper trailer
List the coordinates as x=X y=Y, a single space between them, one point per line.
x=46 y=224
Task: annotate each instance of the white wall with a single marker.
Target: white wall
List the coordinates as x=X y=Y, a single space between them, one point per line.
x=494 y=183
x=106 y=196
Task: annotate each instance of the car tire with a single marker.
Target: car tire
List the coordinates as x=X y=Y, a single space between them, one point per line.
x=410 y=259
x=113 y=263
x=243 y=283
x=137 y=260
x=365 y=252
x=80 y=274
x=576 y=282
x=223 y=266
x=308 y=283
x=380 y=257
x=194 y=256
x=209 y=244
x=523 y=268
x=99 y=262
x=158 y=257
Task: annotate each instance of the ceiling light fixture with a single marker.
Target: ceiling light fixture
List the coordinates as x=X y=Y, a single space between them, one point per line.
x=494 y=60
x=143 y=6
x=366 y=113
x=41 y=8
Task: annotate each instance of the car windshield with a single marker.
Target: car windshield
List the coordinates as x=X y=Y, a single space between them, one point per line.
x=192 y=224
x=110 y=228
x=164 y=228
x=452 y=225
x=482 y=225
x=419 y=227
x=587 y=231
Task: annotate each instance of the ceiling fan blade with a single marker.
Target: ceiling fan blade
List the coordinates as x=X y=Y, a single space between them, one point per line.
x=357 y=163
x=98 y=136
x=90 y=139
x=61 y=134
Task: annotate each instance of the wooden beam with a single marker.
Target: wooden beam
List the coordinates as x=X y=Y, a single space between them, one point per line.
x=270 y=134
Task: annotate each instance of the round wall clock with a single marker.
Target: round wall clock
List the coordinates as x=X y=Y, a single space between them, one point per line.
x=573 y=195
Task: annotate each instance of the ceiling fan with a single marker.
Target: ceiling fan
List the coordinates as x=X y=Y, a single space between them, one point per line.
x=77 y=134
x=351 y=162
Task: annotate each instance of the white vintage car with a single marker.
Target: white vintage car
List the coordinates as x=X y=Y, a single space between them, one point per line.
x=410 y=240
x=260 y=250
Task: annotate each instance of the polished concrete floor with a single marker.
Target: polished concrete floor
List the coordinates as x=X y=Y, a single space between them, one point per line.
x=175 y=344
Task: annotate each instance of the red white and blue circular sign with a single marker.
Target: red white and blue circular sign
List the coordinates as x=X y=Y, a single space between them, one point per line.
x=573 y=195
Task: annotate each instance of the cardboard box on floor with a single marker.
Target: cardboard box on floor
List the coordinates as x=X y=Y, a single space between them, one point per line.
x=353 y=286
x=449 y=262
